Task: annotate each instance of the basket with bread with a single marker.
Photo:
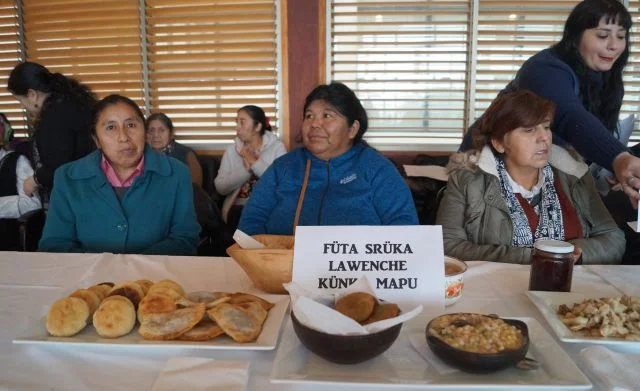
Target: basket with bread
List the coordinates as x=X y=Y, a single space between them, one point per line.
x=163 y=311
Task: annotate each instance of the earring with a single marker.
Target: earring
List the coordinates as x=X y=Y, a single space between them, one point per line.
x=36 y=105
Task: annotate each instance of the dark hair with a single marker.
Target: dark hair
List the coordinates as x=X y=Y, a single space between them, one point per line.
x=31 y=75
x=605 y=104
x=258 y=116
x=110 y=101
x=345 y=101
x=162 y=117
x=521 y=108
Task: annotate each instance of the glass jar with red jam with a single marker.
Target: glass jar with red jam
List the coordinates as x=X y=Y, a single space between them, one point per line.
x=551 y=266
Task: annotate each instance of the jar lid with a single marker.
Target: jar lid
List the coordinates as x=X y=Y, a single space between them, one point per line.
x=554 y=246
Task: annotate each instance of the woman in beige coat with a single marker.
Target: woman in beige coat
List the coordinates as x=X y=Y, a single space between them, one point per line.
x=516 y=187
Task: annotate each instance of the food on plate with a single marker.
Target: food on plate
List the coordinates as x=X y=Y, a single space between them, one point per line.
x=239 y=298
x=115 y=317
x=107 y=283
x=609 y=317
x=67 y=317
x=145 y=284
x=205 y=330
x=242 y=322
x=163 y=310
x=383 y=311
x=91 y=297
x=130 y=290
x=357 y=306
x=476 y=333
x=155 y=304
x=171 y=325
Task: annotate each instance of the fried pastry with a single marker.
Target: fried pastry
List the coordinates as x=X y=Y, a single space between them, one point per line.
x=67 y=317
x=185 y=302
x=155 y=304
x=90 y=297
x=115 y=317
x=238 y=298
x=205 y=297
x=357 y=306
x=242 y=322
x=144 y=284
x=166 y=290
x=172 y=284
x=171 y=325
x=107 y=283
x=205 y=330
x=130 y=290
x=383 y=311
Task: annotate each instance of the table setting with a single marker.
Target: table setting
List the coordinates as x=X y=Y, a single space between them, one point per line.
x=279 y=359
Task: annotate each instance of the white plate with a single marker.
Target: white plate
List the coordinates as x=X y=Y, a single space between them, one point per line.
x=548 y=302
x=37 y=334
x=402 y=366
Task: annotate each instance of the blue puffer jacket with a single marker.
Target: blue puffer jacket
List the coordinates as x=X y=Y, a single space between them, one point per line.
x=156 y=216
x=360 y=187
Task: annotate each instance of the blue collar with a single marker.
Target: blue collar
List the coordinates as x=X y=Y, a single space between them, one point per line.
x=354 y=150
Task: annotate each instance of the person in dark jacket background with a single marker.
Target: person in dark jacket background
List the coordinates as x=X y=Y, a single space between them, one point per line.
x=60 y=111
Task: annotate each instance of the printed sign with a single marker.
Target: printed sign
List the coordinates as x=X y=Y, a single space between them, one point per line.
x=404 y=264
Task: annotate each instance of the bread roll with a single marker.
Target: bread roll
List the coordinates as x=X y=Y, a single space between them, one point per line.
x=115 y=317
x=67 y=317
x=130 y=290
x=90 y=297
x=172 y=284
x=145 y=284
x=357 y=306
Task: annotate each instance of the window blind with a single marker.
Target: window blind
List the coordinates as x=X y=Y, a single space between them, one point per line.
x=96 y=42
x=10 y=54
x=509 y=32
x=407 y=62
x=208 y=58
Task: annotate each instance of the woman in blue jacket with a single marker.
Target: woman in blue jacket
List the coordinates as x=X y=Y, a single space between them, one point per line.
x=123 y=197
x=335 y=179
x=582 y=76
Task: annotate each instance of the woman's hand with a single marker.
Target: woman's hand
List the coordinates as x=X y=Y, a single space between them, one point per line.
x=29 y=186
x=577 y=255
x=249 y=157
x=627 y=170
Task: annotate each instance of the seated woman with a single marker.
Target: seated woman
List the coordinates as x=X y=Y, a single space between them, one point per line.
x=123 y=197
x=161 y=137
x=244 y=162
x=516 y=187
x=335 y=179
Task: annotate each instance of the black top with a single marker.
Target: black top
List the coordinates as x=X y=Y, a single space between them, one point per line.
x=8 y=177
x=62 y=135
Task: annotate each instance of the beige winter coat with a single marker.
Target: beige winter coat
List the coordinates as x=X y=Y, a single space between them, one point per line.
x=477 y=225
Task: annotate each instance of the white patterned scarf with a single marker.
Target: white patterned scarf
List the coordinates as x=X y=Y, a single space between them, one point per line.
x=550 y=225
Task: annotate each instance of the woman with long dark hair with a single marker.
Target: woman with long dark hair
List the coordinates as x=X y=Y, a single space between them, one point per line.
x=59 y=108
x=582 y=76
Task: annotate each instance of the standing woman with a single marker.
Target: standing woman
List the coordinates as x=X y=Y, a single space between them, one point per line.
x=60 y=110
x=582 y=76
x=244 y=162
x=161 y=137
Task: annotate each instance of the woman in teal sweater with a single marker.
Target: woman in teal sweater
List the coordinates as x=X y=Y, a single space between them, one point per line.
x=124 y=197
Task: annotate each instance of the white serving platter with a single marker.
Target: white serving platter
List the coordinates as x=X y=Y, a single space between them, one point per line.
x=548 y=302
x=402 y=367
x=267 y=340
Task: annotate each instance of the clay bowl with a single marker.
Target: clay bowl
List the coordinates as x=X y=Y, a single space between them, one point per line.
x=479 y=362
x=268 y=268
x=345 y=349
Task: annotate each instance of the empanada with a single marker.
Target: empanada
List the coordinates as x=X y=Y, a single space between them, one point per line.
x=171 y=325
x=155 y=304
x=205 y=330
x=237 y=298
x=242 y=322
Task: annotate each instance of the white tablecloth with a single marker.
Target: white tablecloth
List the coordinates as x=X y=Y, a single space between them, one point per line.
x=30 y=282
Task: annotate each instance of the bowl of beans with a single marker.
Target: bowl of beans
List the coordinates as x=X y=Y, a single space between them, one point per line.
x=478 y=343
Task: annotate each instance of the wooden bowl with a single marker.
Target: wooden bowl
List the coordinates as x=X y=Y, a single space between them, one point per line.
x=268 y=268
x=345 y=349
x=479 y=362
